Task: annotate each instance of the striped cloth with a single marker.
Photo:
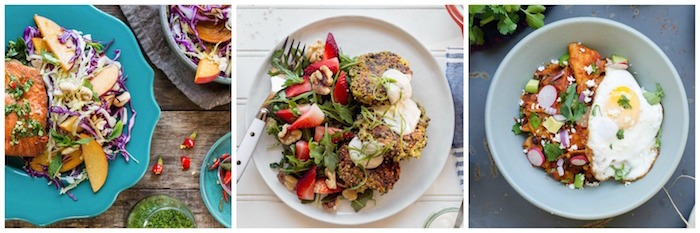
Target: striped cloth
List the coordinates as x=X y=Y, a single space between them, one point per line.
x=455 y=76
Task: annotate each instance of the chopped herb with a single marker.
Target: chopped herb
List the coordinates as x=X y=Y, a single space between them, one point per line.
x=594 y=68
x=17 y=50
x=596 y=107
x=620 y=134
x=654 y=97
x=563 y=59
x=506 y=18
x=657 y=144
x=323 y=152
x=572 y=108
x=516 y=129
x=65 y=141
x=624 y=102
x=535 y=121
x=552 y=151
x=620 y=173
x=169 y=218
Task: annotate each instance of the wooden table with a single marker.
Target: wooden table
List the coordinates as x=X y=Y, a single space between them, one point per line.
x=259 y=29
x=179 y=117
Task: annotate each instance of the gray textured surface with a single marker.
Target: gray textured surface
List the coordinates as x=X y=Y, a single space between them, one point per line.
x=492 y=201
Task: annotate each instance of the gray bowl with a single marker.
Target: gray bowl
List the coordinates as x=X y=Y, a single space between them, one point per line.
x=649 y=66
x=174 y=47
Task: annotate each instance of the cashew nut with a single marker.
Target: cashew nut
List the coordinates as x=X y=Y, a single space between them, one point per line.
x=322 y=80
x=69 y=150
x=85 y=93
x=287 y=137
x=67 y=87
x=122 y=99
x=330 y=182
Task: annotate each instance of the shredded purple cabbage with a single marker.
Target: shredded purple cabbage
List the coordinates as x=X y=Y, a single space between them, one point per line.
x=29 y=33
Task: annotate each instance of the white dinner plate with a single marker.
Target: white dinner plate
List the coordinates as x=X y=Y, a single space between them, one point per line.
x=357 y=35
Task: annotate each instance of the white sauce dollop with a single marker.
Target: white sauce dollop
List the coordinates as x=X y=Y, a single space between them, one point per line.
x=365 y=153
x=403 y=114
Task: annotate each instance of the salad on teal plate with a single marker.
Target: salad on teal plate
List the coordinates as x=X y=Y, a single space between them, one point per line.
x=80 y=105
x=211 y=181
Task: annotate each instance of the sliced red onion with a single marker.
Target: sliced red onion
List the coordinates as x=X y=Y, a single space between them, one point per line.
x=578 y=160
x=550 y=110
x=560 y=170
x=557 y=76
x=547 y=96
x=622 y=66
x=564 y=137
x=581 y=97
x=559 y=117
x=535 y=156
x=560 y=162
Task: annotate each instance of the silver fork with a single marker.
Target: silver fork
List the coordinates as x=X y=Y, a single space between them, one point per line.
x=245 y=151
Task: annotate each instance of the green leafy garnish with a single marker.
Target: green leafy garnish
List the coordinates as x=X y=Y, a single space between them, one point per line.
x=506 y=18
x=347 y=62
x=552 y=151
x=338 y=112
x=657 y=143
x=117 y=131
x=17 y=50
x=596 y=107
x=620 y=134
x=323 y=152
x=572 y=108
x=624 y=102
x=362 y=199
x=564 y=58
x=64 y=141
x=49 y=58
x=516 y=129
x=55 y=165
x=535 y=121
x=654 y=97
x=95 y=45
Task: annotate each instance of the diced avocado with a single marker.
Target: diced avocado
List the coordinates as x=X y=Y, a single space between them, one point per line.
x=618 y=59
x=532 y=86
x=552 y=125
x=578 y=180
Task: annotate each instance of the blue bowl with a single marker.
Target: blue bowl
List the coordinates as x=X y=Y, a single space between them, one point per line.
x=30 y=199
x=649 y=66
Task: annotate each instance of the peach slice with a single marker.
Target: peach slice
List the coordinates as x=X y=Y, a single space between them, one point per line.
x=39 y=45
x=104 y=80
x=39 y=161
x=213 y=33
x=73 y=160
x=47 y=27
x=64 y=52
x=95 y=163
x=69 y=124
x=207 y=71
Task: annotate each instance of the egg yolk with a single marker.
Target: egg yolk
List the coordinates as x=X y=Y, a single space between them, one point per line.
x=623 y=107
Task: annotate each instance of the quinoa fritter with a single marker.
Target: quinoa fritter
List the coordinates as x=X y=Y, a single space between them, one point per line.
x=381 y=178
x=410 y=146
x=365 y=76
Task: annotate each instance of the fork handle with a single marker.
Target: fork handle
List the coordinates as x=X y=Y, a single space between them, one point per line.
x=244 y=153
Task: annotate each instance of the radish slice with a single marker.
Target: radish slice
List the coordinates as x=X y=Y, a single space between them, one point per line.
x=578 y=160
x=564 y=137
x=557 y=76
x=535 y=156
x=547 y=96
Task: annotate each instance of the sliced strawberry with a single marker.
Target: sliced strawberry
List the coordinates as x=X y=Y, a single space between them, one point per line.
x=333 y=64
x=302 y=150
x=314 y=117
x=322 y=188
x=298 y=89
x=320 y=130
x=306 y=185
x=340 y=93
x=289 y=117
x=331 y=48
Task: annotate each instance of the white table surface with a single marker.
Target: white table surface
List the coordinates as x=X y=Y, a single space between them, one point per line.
x=259 y=29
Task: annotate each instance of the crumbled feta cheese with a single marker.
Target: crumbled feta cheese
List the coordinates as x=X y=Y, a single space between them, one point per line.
x=588 y=69
x=525 y=151
x=574 y=147
x=570 y=78
x=521 y=102
x=587 y=99
x=582 y=50
x=627 y=119
x=542 y=142
x=558 y=99
x=561 y=146
x=573 y=130
x=566 y=63
x=532 y=106
x=541 y=68
x=554 y=61
x=590 y=83
x=627 y=183
x=586 y=92
x=592 y=184
x=614 y=112
x=571 y=186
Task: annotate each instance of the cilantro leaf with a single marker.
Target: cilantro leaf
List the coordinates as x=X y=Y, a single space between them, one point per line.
x=620 y=134
x=624 y=102
x=654 y=97
x=516 y=129
x=552 y=151
x=535 y=121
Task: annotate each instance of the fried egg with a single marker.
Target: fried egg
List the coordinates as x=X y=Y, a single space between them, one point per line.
x=622 y=128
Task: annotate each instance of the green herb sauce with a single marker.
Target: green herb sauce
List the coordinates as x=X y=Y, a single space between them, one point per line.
x=169 y=219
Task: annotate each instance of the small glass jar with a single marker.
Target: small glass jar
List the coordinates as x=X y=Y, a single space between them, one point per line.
x=153 y=208
x=444 y=218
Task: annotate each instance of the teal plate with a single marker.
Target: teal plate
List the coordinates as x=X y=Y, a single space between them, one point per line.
x=211 y=191
x=30 y=199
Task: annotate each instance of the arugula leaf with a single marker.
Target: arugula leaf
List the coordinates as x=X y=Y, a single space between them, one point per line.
x=116 y=132
x=55 y=165
x=620 y=134
x=347 y=62
x=17 y=50
x=324 y=152
x=654 y=97
x=362 y=199
x=552 y=151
